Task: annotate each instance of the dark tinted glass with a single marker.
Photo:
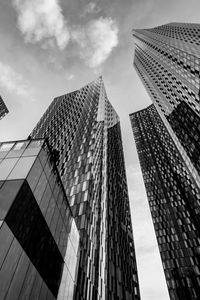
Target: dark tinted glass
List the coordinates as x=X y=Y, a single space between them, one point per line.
x=29 y=227
x=8 y=192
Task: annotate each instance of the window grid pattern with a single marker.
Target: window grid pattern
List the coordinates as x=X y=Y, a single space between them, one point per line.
x=174 y=201
x=170 y=73
x=77 y=126
x=38 y=236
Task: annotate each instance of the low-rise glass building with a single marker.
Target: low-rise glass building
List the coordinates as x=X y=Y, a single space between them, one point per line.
x=38 y=236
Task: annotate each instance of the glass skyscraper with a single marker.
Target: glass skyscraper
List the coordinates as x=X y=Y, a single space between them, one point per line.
x=167 y=59
x=3 y=108
x=167 y=136
x=84 y=134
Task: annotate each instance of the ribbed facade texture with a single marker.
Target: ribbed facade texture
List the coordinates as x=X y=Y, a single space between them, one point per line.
x=83 y=130
x=167 y=136
x=167 y=59
x=174 y=201
x=3 y=108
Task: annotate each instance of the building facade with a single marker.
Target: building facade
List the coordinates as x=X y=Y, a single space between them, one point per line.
x=39 y=239
x=3 y=108
x=167 y=59
x=83 y=130
x=167 y=136
x=174 y=200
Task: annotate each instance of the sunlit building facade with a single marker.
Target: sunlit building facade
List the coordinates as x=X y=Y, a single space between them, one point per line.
x=167 y=59
x=3 y=108
x=39 y=240
x=84 y=133
x=167 y=136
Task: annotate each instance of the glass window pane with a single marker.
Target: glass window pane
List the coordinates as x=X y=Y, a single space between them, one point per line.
x=35 y=173
x=33 y=148
x=18 y=149
x=43 y=156
x=7 y=237
x=40 y=188
x=8 y=192
x=6 y=146
x=22 y=168
x=6 y=167
x=18 y=279
x=8 y=267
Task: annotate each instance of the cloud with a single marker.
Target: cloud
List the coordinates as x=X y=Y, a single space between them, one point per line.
x=13 y=82
x=90 y=8
x=96 y=40
x=42 y=21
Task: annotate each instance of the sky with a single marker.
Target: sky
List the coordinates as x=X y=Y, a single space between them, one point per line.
x=51 y=47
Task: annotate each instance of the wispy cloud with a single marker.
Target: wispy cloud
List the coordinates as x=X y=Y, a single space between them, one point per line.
x=42 y=21
x=90 y=8
x=97 y=40
x=14 y=82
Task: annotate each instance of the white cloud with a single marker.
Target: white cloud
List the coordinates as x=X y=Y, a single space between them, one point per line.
x=13 y=82
x=90 y=8
x=42 y=21
x=97 y=40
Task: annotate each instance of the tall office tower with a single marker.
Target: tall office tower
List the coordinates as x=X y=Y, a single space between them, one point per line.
x=167 y=136
x=167 y=59
x=83 y=130
x=3 y=108
x=174 y=200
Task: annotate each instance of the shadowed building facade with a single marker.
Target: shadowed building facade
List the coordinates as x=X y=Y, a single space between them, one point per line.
x=39 y=239
x=3 y=108
x=83 y=130
x=167 y=136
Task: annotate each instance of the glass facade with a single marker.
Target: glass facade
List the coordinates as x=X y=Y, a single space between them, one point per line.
x=38 y=236
x=79 y=128
x=3 y=108
x=167 y=136
x=174 y=200
x=167 y=59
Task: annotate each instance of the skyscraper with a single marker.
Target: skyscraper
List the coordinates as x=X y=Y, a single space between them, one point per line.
x=167 y=136
x=167 y=59
x=83 y=130
x=3 y=108
x=174 y=200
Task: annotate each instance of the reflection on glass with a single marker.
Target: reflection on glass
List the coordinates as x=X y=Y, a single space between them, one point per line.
x=18 y=149
x=34 y=175
x=6 y=167
x=20 y=145
x=22 y=168
x=6 y=146
x=36 y=144
x=67 y=286
x=33 y=148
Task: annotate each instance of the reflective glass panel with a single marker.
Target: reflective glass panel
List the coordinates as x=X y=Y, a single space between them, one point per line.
x=34 y=174
x=18 y=149
x=33 y=148
x=6 y=167
x=8 y=192
x=22 y=168
x=6 y=146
